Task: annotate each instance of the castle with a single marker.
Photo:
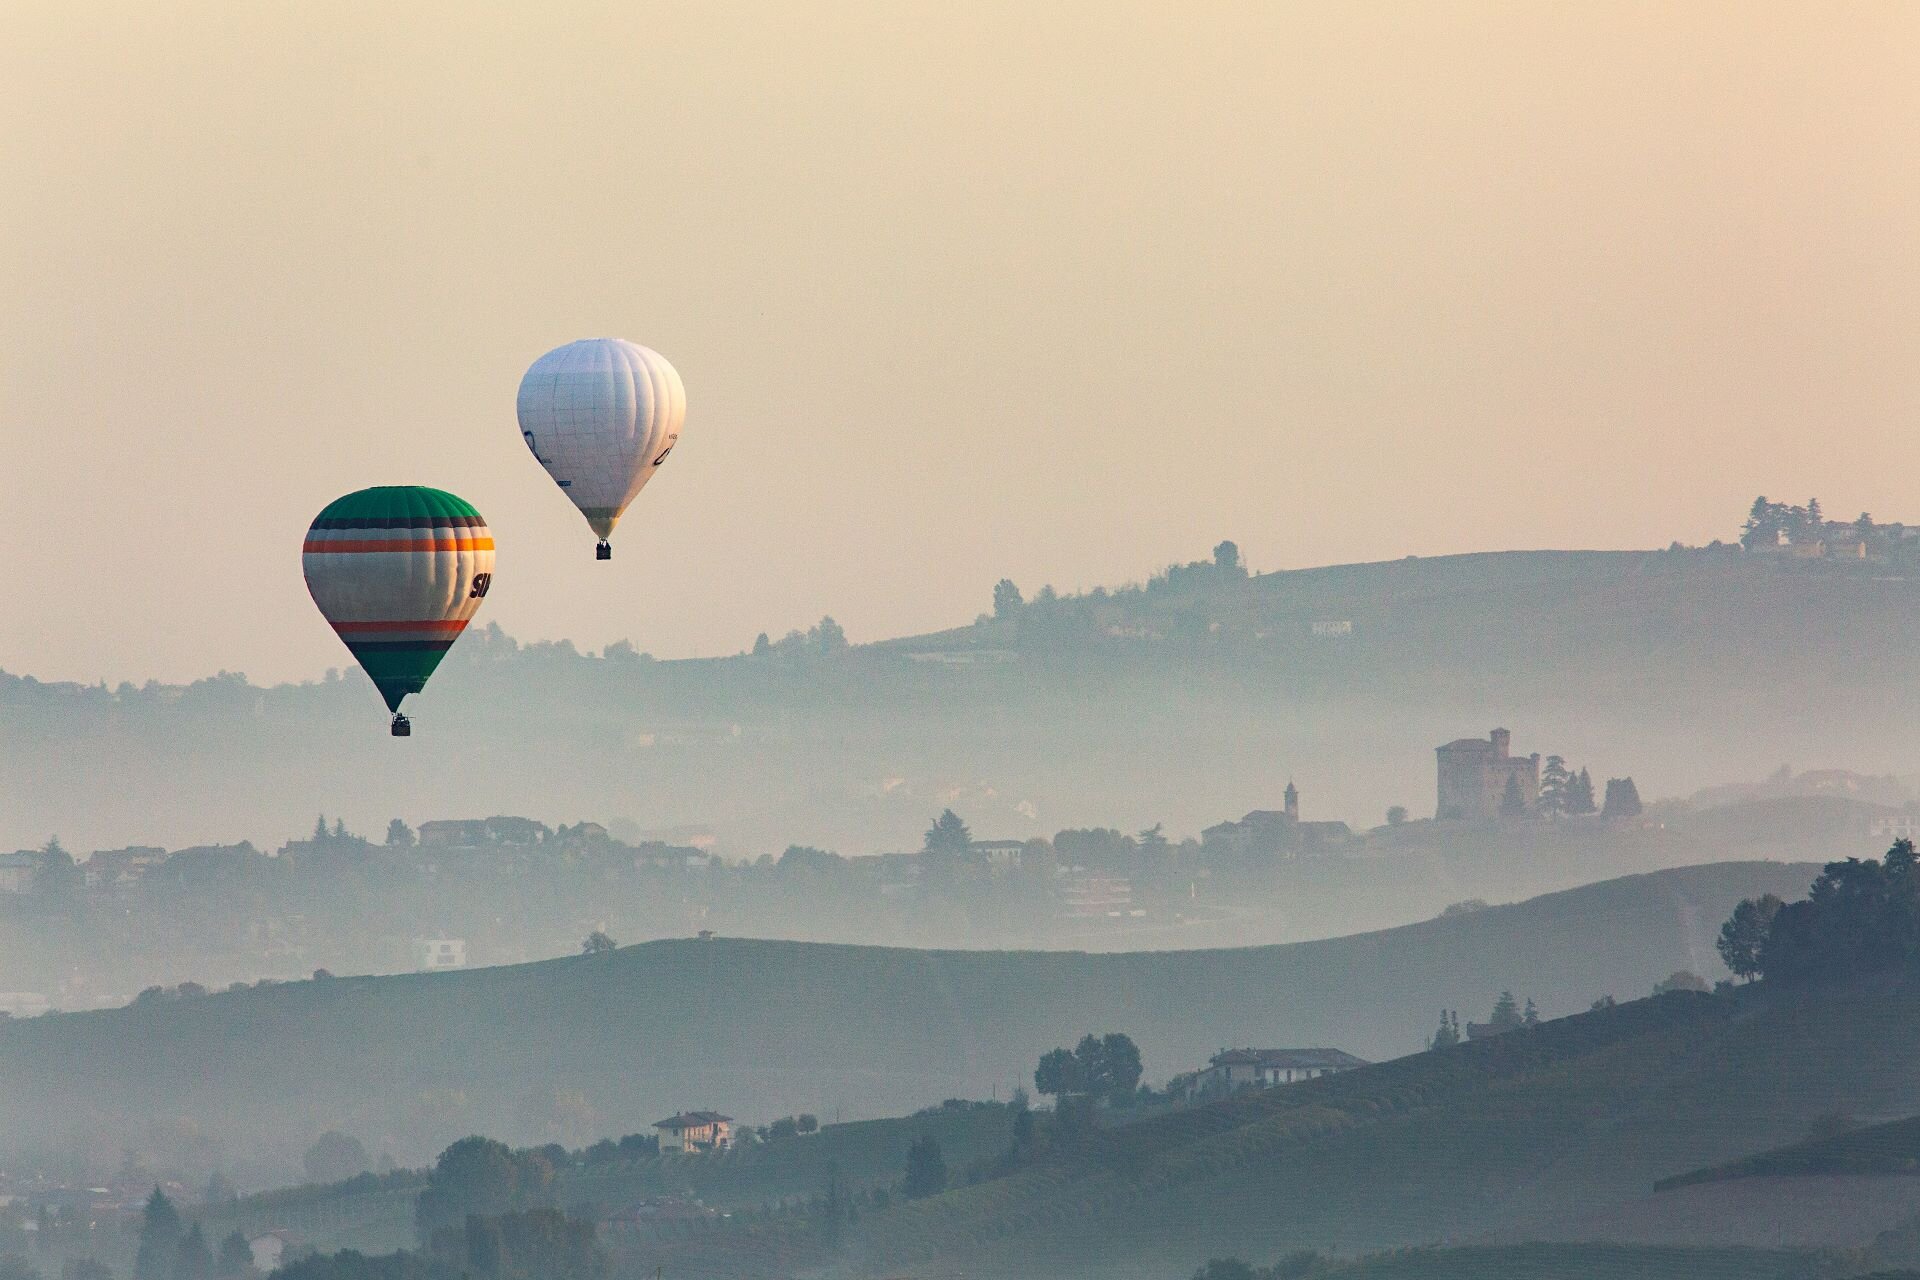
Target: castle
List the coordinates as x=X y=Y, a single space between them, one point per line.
x=1474 y=775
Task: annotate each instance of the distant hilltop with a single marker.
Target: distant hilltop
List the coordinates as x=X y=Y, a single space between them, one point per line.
x=1175 y=700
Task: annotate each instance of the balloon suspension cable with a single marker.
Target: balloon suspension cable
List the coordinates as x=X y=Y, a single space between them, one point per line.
x=604 y=551
x=402 y=727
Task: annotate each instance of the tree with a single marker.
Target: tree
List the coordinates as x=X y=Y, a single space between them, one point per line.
x=1092 y=1057
x=1120 y=1058
x=195 y=1260
x=1580 y=794
x=399 y=835
x=1059 y=1074
x=926 y=1169
x=1396 y=814
x=827 y=636
x=761 y=645
x=160 y=1235
x=598 y=943
x=1623 y=799
x=1744 y=933
x=235 y=1257
x=1007 y=600
x=334 y=1157
x=1512 y=803
x=1506 y=1013
x=57 y=878
x=1104 y=1067
x=636 y=1145
x=1555 y=786
x=320 y=829
x=1763 y=524
x=806 y=1122
x=1530 y=1016
x=220 y=1189
x=481 y=1177
x=1448 y=1035
x=1226 y=559
x=948 y=839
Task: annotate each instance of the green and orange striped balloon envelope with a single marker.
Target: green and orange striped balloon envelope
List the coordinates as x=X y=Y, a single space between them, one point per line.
x=398 y=571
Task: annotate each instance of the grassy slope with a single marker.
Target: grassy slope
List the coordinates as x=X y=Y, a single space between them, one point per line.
x=1891 y=1148
x=765 y=1028
x=1492 y=1136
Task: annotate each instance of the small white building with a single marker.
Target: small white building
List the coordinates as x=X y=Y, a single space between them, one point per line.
x=695 y=1131
x=1001 y=855
x=439 y=953
x=16 y=871
x=1233 y=1069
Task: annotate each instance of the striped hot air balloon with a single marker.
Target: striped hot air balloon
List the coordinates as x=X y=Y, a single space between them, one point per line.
x=398 y=571
x=601 y=415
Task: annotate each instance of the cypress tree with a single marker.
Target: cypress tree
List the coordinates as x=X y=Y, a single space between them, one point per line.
x=160 y=1235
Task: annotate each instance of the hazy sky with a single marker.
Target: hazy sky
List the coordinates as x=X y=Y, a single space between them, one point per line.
x=1058 y=291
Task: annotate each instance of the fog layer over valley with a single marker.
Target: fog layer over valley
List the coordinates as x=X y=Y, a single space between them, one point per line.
x=1184 y=703
x=574 y=1049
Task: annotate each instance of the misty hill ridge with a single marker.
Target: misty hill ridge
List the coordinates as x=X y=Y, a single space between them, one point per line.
x=1500 y=1136
x=1178 y=704
x=1890 y=1149
x=763 y=1028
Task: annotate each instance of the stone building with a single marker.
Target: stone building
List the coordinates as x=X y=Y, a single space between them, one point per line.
x=1473 y=776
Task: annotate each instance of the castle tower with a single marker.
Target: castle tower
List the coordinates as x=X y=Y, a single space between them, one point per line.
x=1293 y=801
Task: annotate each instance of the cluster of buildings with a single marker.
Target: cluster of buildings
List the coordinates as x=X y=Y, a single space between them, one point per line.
x=1268 y=832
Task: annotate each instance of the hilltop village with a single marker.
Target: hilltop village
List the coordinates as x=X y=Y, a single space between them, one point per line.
x=338 y=899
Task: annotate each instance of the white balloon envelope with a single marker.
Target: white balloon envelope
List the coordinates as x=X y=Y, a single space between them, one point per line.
x=601 y=415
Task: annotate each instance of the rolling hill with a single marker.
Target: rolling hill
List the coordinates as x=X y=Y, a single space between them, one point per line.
x=572 y=1049
x=1496 y=1138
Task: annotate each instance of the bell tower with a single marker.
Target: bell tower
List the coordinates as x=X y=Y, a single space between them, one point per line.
x=1293 y=801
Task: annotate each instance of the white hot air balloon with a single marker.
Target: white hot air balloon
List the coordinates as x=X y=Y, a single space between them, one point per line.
x=601 y=415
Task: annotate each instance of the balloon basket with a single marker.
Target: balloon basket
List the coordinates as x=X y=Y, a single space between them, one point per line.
x=603 y=552
x=402 y=727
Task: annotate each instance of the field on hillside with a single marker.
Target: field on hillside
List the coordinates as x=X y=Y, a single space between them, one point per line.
x=762 y=1029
